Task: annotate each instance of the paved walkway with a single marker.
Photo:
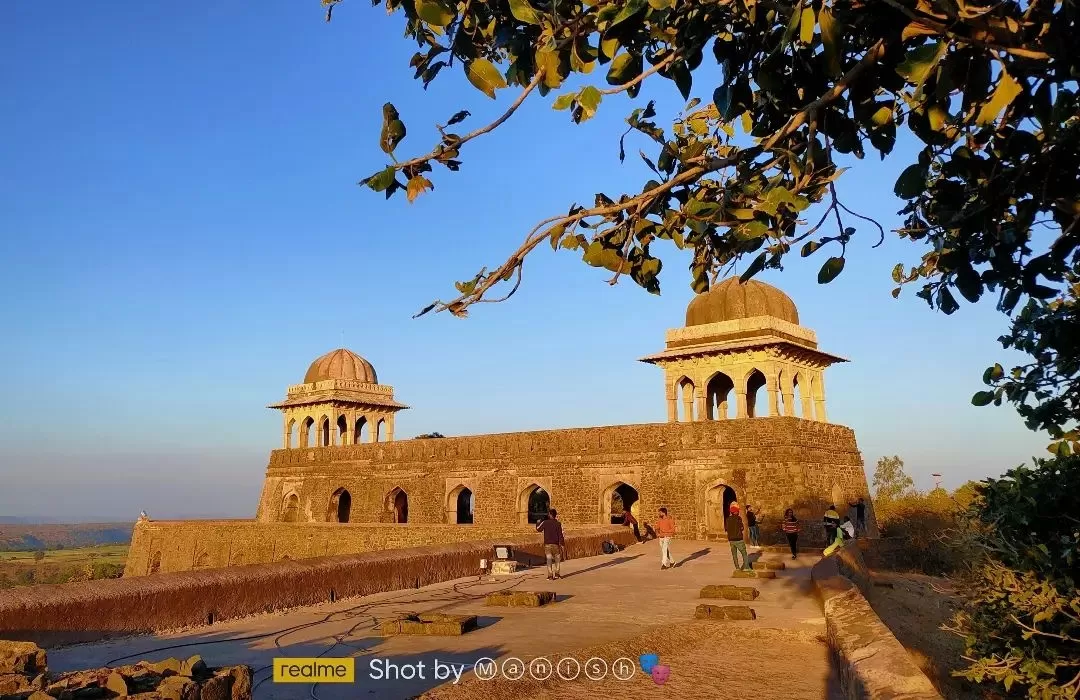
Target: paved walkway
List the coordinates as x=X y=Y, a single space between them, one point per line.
x=621 y=600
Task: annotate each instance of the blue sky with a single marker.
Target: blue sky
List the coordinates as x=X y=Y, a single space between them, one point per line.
x=181 y=234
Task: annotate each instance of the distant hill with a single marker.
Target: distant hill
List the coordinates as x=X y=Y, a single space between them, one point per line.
x=21 y=538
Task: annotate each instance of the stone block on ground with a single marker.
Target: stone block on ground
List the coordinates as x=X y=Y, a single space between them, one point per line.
x=168 y=667
x=503 y=567
x=241 y=685
x=728 y=592
x=194 y=666
x=523 y=599
x=769 y=565
x=25 y=658
x=742 y=573
x=430 y=624
x=117 y=684
x=218 y=687
x=724 y=612
x=178 y=688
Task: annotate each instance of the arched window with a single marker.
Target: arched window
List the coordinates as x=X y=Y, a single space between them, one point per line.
x=684 y=399
x=324 y=432
x=459 y=506
x=290 y=434
x=618 y=499
x=340 y=507
x=342 y=430
x=380 y=430
x=797 y=408
x=307 y=432
x=536 y=503
x=397 y=502
x=360 y=431
x=718 y=392
x=290 y=510
x=756 y=400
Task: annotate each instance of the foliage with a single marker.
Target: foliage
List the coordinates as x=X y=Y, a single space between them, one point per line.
x=426 y=436
x=890 y=479
x=921 y=529
x=987 y=88
x=39 y=555
x=1021 y=619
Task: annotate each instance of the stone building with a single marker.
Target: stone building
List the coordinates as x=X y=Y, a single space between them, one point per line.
x=745 y=392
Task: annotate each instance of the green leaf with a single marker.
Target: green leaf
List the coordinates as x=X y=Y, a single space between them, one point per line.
x=549 y=60
x=682 y=77
x=588 y=100
x=806 y=25
x=382 y=179
x=912 y=182
x=631 y=8
x=624 y=68
x=920 y=61
x=809 y=247
x=830 y=270
x=1006 y=91
x=982 y=398
x=755 y=267
x=523 y=11
x=831 y=40
x=563 y=101
x=898 y=273
x=434 y=12
x=485 y=77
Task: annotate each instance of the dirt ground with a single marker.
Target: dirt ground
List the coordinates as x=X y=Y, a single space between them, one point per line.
x=914 y=607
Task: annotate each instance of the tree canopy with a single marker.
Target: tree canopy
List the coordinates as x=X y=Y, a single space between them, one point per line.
x=890 y=480
x=987 y=87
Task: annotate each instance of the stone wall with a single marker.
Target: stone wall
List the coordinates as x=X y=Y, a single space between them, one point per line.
x=771 y=463
x=171 y=546
x=870 y=661
x=94 y=610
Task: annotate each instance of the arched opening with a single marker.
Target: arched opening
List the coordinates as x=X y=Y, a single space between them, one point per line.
x=397 y=502
x=380 y=430
x=796 y=408
x=684 y=398
x=340 y=507
x=291 y=434
x=533 y=504
x=717 y=500
x=360 y=431
x=307 y=432
x=155 y=563
x=342 y=431
x=290 y=510
x=781 y=402
x=324 y=432
x=718 y=391
x=757 y=402
x=618 y=499
x=459 y=506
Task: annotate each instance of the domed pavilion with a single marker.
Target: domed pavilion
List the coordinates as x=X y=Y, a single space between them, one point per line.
x=739 y=338
x=340 y=403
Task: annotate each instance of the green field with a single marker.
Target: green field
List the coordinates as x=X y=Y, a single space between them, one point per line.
x=108 y=553
x=62 y=565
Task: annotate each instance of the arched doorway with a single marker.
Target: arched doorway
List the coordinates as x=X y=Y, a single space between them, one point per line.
x=290 y=511
x=342 y=430
x=291 y=433
x=533 y=504
x=307 y=432
x=756 y=405
x=340 y=507
x=360 y=432
x=618 y=499
x=684 y=397
x=717 y=393
x=324 y=432
x=717 y=500
x=460 y=506
x=398 y=505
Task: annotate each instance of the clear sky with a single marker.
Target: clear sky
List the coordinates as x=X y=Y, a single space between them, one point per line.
x=181 y=234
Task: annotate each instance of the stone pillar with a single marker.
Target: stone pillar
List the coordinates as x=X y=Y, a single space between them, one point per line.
x=373 y=429
x=701 y=399
x=672 y=410
x=687 y=405
x=774 y=391
x=807 y=403
x=819 y=397
x=722 y=408
x=740 y=403
x=285 y=441
x=390 y=428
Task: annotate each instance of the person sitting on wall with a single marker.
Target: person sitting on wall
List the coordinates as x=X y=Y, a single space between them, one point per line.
x=629 y=520
x=554 y=543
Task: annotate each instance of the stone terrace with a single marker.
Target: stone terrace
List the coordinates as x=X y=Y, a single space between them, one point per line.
x=609 y=606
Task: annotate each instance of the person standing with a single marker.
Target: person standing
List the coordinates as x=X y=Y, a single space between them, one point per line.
x=665 y=530
x=752 y=524
x=629 y=520
x=791 y=527
x=554 y=542
x=860 y=515
x=831 y=522
x=734 y=527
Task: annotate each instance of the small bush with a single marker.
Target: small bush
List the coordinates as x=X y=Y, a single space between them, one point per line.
x=921 y=528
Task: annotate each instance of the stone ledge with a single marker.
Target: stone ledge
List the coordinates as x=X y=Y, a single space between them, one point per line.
x=520 y=599
x=743 y=573
x=871 y=662
x=724 y=612
x=430 y=624
x=728 y=592
x=769 y=565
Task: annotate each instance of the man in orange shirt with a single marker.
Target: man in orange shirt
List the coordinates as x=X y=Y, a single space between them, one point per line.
x=665 y=529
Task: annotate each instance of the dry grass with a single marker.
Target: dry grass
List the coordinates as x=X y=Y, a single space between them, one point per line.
x=914 y=607
x=707 y=659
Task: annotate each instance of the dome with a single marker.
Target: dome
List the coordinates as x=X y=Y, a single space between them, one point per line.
x=341 y=364
x=732 y=300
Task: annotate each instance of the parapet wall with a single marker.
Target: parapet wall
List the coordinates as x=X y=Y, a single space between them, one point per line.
x=94 y=610
x=171 y=546
x=870 y=661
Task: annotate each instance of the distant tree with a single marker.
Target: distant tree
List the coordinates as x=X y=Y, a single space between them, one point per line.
x=966 y=494
x=426 y=436
x=890 y=479
x=39 y=555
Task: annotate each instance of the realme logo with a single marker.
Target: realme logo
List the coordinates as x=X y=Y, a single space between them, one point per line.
x=314 y=670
